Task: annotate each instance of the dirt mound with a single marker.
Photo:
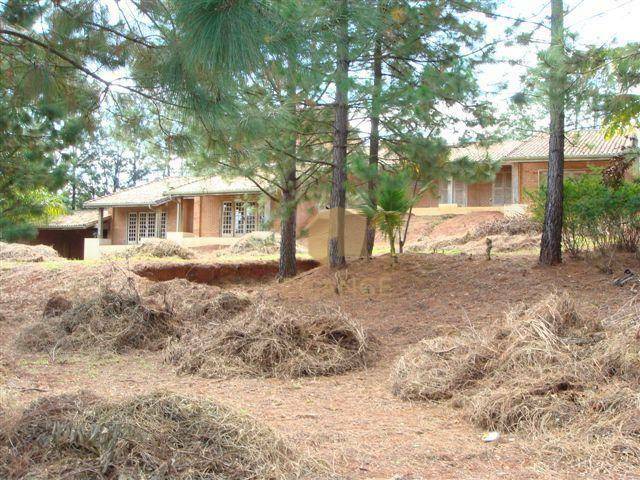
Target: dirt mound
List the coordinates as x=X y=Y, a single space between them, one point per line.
x=160 y=249
x=462 y=225
x=500 y=243
x=545 y=370
x=508 y=234
x=113 y=321
x=273 y=341
x=154 y=436
x=519 y=224
x=17 y=252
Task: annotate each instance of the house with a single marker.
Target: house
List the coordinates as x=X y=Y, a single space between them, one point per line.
x=197 y=212
x=209 y=212
x=67 y=233
x=524 y=168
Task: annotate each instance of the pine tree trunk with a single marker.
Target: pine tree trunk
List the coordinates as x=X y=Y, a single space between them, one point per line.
x=551 y=244
x=374 y=141
x=341 y=130
x=287 y=265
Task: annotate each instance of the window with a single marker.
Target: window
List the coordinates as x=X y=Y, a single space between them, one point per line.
x=240 y=217
x=142 y=225
x=162 y=229
x=132 y=228
x=227 y=219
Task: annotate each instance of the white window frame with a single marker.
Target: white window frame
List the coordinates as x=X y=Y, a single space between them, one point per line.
x=234 y=221
x=146 y=224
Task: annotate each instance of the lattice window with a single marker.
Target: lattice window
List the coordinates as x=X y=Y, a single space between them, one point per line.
x=240 y=218
x=162 y=229
x=227 y=218
x=151 y=225
x=142 y=225
x=132 y=228
x=250 y=217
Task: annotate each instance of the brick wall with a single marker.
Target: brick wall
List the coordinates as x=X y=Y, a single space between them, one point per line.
x=120 y=216
x=529 y=173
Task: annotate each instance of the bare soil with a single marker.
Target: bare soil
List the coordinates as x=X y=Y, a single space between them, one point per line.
x=351 y=421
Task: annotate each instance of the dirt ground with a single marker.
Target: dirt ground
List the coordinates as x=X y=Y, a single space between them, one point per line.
x=351 y=421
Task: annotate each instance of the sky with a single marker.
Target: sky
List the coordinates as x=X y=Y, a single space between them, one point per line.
x=596 y=22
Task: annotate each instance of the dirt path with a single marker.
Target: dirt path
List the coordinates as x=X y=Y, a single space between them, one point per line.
x=351 y=421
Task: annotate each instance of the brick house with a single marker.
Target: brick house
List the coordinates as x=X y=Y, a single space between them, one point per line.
x=524 y=168
x=207 y=212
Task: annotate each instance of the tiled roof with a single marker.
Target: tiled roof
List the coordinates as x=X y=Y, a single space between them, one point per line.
x=579 y=144
x=152 y=193
x=478 y=153
x=214 y=185
x=78 y=220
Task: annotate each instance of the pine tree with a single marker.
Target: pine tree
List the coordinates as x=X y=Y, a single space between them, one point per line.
x=551 y=244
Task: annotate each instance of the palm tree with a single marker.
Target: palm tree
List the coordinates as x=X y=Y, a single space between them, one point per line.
x=393 y=201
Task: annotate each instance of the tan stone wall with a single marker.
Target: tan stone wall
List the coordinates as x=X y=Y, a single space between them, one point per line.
x=528 y=173
x=318 y=238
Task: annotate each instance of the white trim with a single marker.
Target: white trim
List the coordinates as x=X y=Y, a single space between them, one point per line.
x=515 y=184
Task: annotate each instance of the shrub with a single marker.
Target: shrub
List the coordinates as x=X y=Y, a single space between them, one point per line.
x=596 y=216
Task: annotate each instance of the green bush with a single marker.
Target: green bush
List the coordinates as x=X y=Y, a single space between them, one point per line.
x=596 y=216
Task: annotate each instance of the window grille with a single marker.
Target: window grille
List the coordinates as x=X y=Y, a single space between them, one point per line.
x=241 y=218
x=132 y=228
x=162 y=233
x=251 y=217
x=227 y=218
x=142 y=225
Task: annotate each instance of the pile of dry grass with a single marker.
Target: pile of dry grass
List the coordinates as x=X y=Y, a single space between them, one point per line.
x=256 y=243
x=113 y=321
x=437 y=368
x=259 y=243
x=155 y=436
x=196 y=303
x=160 y=249
x=547 y=371
x=273 y=341
x=17 y=252
x=519 y=224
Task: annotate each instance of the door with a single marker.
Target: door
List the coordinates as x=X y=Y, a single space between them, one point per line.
x=502 y=193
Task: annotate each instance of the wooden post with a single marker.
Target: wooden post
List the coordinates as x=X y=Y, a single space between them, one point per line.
x=179 y=215
x=100 y=222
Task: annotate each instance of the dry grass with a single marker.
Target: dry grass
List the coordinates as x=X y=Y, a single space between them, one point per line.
x=113 y=321
x=273 y=341
x=160 y=249
x=17 y=252
x=437 y=368
x=158 y=436
x=256 y=243
x=569 y=381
